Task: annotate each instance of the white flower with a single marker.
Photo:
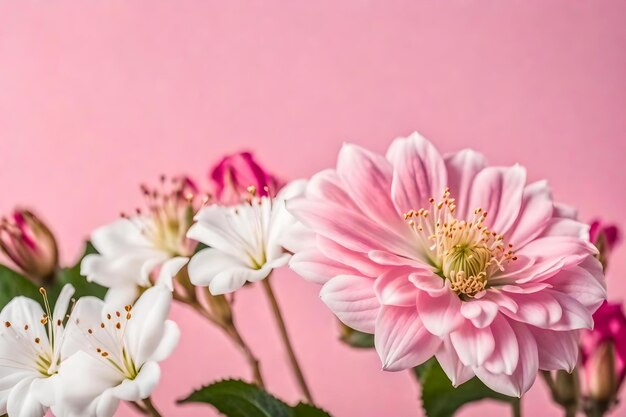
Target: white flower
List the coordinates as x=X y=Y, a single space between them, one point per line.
x=132 y=248
x=30 y=354
x=246 y=242
x=114 y=353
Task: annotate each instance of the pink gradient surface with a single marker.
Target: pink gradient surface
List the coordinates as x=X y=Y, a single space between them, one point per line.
x=96 y=97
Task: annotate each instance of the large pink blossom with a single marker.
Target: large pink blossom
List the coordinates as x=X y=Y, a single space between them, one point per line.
x=444 y=256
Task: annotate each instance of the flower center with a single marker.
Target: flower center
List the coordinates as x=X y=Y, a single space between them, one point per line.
x=107 y=341
x=169 y=216
x=465 y=252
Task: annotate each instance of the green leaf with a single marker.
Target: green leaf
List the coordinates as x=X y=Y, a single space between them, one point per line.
x=235 y=398
x=307 y=410
x=13 y=284
x=441 y=399
x=72 y=276
x=356 y=339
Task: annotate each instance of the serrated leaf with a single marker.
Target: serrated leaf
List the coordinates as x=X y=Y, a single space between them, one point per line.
x=307 y=410
x=235 y=398
x=441 y=399
x=13 y=284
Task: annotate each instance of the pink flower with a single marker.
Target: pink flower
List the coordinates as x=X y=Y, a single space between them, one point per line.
x=234 y=174
x=445 y=256
x=604 y=355
x=30 y=244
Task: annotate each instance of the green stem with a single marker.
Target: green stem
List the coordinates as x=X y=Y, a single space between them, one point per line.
x=516 y=406
x=295 y=366
x=149 y=409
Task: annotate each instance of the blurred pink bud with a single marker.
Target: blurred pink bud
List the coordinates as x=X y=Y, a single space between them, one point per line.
x=605 y=237
x=604 y=356
x=30 y=244
x=234 y=176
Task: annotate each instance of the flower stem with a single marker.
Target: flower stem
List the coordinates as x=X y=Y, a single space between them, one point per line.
x=286 y=341
x=147 y=407
x=516 y=406
x=233 y=333
x=222 y=318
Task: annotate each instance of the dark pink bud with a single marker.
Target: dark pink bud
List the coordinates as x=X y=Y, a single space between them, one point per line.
x=30 y=244
x=605 y=237
x=603 y=356
x=235 y=175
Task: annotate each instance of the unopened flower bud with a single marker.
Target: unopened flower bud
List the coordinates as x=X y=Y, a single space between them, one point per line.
x=601 y=376
x=603 y=352
x=605 y=237
x=220 y=308
x=235 y=175
x=30 y=244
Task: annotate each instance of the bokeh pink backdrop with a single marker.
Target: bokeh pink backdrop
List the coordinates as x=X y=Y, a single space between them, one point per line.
x=96 y=97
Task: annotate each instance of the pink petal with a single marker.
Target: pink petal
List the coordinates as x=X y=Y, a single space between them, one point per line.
x=480 y=312
x=418 y=172
x=560 y=226
x=473 y=345
x=351 y=259
x=563 y=210
x=462 y=168
x=394 y=288
x=327 y=186
x=557 y=350
x=506 y=352
x=428 y=282
x=585 y=283
x=401 y=340
x=540 y=309
x=575 y=315
x=353 y=300
x=312 y=265
x=523 y=377
x=498 y=191
x=348 y=228
x=390 y=259
x=367 y=179
x=451 y=365
x=440 y=314
x=535 y=213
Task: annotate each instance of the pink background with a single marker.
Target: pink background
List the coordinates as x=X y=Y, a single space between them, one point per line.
x=96 y=97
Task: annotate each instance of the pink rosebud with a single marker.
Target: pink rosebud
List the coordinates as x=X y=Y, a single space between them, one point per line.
x=30 y=244
x=604 y=357
x=234 y=176
x=605 y=237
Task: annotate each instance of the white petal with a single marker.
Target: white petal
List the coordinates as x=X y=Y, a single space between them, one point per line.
x=145 y=330
x=169 y=269
x=207 y=263
x=142 y=386
x=122 y=295
x=63 y=301
x=169 y=341
x=119 y=237
x=76 y=391
x=23 y=401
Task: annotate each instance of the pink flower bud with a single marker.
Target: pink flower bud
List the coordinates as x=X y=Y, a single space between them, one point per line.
x=30 y=244
x=605 y=237
x=236 y=174
x=604 y=356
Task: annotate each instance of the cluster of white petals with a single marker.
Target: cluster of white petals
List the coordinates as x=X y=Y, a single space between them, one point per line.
x=83 y=363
